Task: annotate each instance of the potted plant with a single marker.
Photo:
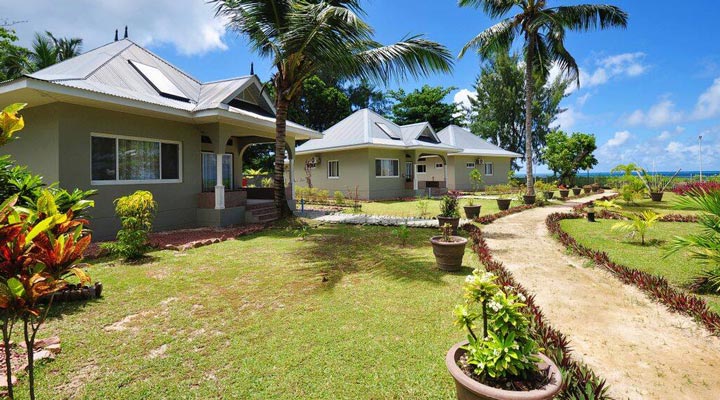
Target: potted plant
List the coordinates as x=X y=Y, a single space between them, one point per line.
x=576 y=190
x=547 y=189
x=596 y=187
x=564 y=191
x=656 y=184
x=587 y=189
x=448 y=249
x=499 y=360
x=449 y=213
x=472 y=211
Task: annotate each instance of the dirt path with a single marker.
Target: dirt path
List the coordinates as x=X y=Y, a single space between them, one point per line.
x=643 y=350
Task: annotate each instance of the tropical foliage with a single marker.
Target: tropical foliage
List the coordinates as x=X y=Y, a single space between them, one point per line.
x=136 y=213
x=566 y=154
x=638 y=224
x=424 y=105
x=497 y=113
x=706 y=245
x=304 y=37
x=449 y=206
x=543 y=31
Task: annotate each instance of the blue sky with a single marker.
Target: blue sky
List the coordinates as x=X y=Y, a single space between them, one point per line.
x=647 y=92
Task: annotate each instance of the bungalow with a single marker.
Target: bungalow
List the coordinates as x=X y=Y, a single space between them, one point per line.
x=119 y=119
x=370 y=155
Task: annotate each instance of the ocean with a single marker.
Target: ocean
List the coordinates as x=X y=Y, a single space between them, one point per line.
x=682 y=174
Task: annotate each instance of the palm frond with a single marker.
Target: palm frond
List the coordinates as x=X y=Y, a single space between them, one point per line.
x=493 y=8
x=585 y=17
x=496 y=39
x=414 y=56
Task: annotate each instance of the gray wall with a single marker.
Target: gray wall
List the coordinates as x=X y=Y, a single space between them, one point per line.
x=37 y=144
x=459 y=174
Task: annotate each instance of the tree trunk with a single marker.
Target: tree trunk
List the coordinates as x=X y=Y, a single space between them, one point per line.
x=279 y=175
x=30 y=346
x=7 y=331
x=529 y=89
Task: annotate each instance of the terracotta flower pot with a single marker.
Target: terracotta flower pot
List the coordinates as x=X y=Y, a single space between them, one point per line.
x=656 y=196
x=449 y=255
x=549 y=194
x=564 y=193
x=470 y=389
x=529 y=200
x=503 y=204
x=576 y=191
x=472 y=212
x=453 y=221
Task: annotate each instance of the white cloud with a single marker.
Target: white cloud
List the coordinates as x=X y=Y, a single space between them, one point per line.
x=188 y=25
x=660 y=114
x=708 y=104
x=583 y=99
x=566 y=120
x=605 y=69
x=665 y=135
x=463 y=97
x=619 y=139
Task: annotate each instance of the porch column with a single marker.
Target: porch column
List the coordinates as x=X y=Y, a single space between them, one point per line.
x=446 y=176
x=219 y=188
x=292 y=178
x=415 y=177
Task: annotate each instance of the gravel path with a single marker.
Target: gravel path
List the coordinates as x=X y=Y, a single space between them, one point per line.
x=643 y=350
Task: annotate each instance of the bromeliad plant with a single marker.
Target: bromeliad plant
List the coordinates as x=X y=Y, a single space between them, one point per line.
x=505 y=351
x=39 y=251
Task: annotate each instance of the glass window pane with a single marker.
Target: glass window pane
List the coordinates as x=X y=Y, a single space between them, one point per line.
x=170 y=161
x=103 y=159
x=378 y=167
x=395 y=167
x=209 y=172
x=227 y=171
x=138 y=160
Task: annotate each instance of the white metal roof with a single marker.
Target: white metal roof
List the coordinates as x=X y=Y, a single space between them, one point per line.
x=471 y=144
x=366 y=128
x=107 y=70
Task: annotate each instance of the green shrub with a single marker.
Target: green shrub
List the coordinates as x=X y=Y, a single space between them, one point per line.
x=403 y=233
x=339 y=198
x=422 y=206
x=323 y=196
x=449 y=206
x=267 y=182
x=136 y=213
x=476 y=179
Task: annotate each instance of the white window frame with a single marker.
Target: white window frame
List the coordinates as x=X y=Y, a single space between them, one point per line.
x=439 y=165
x=492 y=167
x=117 y=181
x=470 y=165
x=388 y=176
x=417 y=169
x=337 y=169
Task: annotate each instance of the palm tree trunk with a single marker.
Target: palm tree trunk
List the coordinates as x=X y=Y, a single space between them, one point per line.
x=529 y=89
x=279 y=174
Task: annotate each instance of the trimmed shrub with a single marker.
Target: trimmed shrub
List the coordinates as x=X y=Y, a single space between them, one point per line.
x=136 y=213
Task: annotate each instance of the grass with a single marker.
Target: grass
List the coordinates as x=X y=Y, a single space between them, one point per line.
x=345 y=314
x=678 y=269
x=664 y=207
x=409 y=208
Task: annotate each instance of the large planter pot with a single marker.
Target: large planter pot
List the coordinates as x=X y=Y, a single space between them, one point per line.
x=549 y=194
x=587 y=189
x=472 y=212
x=449 y=255
x=529 y=200
x=503 y=204
x=564 y=193
x=576 y=191
x=656 y=196
x=453 y=221
x=470 y=389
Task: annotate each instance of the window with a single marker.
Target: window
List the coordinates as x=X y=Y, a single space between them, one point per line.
x=387 y=131
x=387 y=168
x=333 y=169
x=120 y=159
x=421 y=168
x=438 y=166
x=408 y=170
x=488 y=169
x=159 y=81
x=470 y=165
x=209 y=171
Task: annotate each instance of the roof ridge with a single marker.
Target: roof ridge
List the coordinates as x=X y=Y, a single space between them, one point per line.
x=227 y=79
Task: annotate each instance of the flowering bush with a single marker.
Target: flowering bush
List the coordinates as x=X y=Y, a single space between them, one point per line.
x=697 y=187
x=505 y=350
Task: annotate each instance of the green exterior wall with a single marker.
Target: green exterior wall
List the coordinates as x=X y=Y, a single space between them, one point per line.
x=37 y=144
x=459 y=174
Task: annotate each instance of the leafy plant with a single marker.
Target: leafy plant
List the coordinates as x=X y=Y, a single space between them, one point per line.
x=638 y=224
x=10 y=122
x=656 y=183
x=422 y=205
x=692 y=187
x=449 y=206
x=476 y=179
x=470 y=201
x=704 y=246
x=266 y=182
x=136 y=213
x=402 y=232
x=339 y=198
x=633 y=190
x=446 y=233
x=506 y=348
x=302 y=232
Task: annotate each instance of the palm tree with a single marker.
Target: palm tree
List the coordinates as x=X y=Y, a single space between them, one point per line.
x=302 y=37
x=543 y=33
x=48 y=50
x=703 y=246
x=66 y=47
x=637 y=224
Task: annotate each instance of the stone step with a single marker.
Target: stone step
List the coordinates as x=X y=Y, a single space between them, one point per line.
x=260 y=206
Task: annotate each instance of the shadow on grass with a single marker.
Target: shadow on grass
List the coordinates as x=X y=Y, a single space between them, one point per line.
x=333 y=252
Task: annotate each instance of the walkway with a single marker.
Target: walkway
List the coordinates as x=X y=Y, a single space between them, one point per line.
x=643 y=350
x=363 y=219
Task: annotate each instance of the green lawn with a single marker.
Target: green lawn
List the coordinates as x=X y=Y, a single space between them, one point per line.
x=398 y=208
x=664 y=207
x=678 y=268
x=345 y=314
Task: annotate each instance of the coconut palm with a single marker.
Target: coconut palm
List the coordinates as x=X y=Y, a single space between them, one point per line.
x=48 y=50
x=302 y=37
x=543 y=31
x=704 y=246
x=638 y=224
x=66 y=48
